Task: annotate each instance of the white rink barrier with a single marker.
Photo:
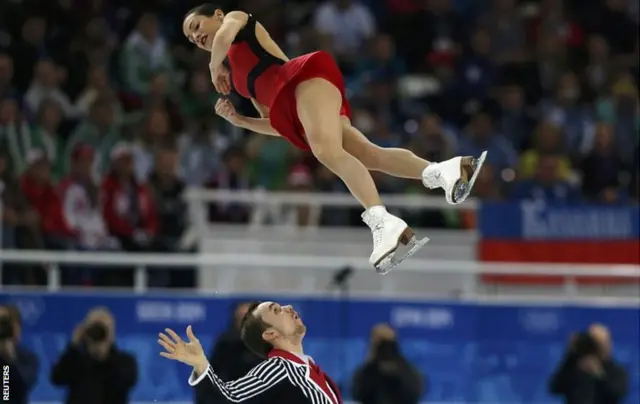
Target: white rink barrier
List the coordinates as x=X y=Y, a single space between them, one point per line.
x=261 y=268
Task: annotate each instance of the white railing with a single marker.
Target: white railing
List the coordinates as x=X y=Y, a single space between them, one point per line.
x=311 y=266
x=272 y=204
x=261 y=197
x=325 y=263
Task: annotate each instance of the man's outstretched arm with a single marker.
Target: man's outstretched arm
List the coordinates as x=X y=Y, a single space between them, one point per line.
x=260 y=379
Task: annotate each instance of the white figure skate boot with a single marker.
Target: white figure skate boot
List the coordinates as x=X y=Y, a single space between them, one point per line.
x=456 y=176
x=389 y=232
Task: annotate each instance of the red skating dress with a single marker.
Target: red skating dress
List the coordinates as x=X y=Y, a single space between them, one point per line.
x=272 y=82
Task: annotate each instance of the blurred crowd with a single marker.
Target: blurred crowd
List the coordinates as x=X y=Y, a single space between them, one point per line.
x=106 y=111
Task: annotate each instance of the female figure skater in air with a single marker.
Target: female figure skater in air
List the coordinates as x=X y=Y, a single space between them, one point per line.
x=303 y=100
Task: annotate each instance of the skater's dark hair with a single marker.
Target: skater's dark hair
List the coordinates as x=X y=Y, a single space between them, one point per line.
x=206 y=9
x=251 y=330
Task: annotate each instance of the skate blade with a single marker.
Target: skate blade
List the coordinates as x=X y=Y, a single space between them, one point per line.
x=462 y=189
x=405 y=238
x=392 y=260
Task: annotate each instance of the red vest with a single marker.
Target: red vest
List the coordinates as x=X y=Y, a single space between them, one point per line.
x=317 y=376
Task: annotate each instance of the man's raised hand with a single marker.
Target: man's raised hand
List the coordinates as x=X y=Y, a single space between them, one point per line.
x=190 y=353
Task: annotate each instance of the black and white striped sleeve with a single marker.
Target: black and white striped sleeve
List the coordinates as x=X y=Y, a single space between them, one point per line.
x=258 y=381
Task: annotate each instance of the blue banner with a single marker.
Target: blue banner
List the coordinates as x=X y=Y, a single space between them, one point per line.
x=539 y=221
x=470 y=353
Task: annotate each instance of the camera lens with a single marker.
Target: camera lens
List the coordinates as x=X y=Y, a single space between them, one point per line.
x=96 y=332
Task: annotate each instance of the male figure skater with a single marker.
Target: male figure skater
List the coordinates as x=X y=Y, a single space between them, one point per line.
x=287 y=375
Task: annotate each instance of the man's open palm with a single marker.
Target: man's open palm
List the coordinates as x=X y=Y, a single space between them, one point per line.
x=176 y=349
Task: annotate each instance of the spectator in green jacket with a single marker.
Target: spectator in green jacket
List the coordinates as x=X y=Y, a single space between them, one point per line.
x=45 y=135
x=145 y=53
x=98 y=131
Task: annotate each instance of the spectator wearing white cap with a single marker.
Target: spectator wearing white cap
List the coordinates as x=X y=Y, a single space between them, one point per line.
x=128 y=207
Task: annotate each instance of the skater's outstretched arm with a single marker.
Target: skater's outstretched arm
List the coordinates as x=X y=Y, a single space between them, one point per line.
x=248 y=388
x=231 y=26
x=258 y=125
x=225 y=109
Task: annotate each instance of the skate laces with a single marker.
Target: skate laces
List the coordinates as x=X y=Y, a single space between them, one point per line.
x=376 y=224
x=377 y=233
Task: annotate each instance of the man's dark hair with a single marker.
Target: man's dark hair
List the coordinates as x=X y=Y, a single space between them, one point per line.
x=251 y=329
x=207 y=9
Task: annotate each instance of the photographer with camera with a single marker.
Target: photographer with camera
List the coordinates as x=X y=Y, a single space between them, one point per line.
x=387 y=377
x=23 y=364
x=588 y=374
x=92 y=368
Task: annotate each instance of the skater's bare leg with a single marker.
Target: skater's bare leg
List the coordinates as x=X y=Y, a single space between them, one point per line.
x=393 y=161
x=318 y=104
x=456 y=176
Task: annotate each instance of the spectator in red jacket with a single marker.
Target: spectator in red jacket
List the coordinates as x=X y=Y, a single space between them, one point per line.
x=42 y=195
x=128 y=206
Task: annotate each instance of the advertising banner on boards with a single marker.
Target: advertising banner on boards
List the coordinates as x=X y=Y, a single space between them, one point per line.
x=468 y=353
x=538 y=232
